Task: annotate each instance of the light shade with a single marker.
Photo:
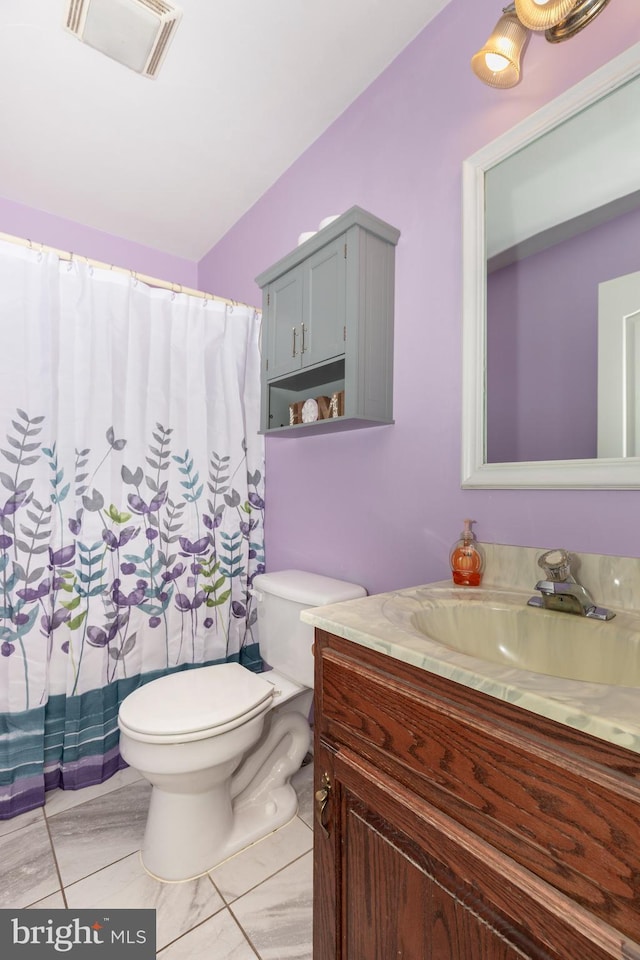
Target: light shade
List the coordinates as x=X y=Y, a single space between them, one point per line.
x=498 y=63
x=136 y=33
x=542 y=14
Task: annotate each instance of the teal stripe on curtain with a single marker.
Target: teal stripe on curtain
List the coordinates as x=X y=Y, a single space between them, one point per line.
x=21 y=738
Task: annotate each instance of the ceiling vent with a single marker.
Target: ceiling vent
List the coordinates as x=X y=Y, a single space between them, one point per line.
x=136 y=33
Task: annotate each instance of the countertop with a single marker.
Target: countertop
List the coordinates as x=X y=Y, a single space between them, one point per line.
x=382 y=622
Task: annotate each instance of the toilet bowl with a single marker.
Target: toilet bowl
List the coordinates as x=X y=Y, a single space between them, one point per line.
x=219 y=744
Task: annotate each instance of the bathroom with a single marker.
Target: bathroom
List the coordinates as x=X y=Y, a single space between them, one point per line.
x=381 y=507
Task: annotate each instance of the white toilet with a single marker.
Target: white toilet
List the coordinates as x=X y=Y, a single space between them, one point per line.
x=220 y=744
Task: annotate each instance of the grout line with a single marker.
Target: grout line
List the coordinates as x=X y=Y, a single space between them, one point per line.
x=244 y=933
x=238 y=899
x=55 y=861
x=201 y=923
x=217 y=889
x=270 y=877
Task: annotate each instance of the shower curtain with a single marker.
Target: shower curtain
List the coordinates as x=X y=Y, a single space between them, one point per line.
x=131 y=506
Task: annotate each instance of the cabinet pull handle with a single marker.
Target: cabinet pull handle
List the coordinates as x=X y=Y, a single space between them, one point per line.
x=294 y=354
x=322 y=800
x=302 y=350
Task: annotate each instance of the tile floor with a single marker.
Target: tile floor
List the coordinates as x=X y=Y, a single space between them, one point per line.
x=81 y=850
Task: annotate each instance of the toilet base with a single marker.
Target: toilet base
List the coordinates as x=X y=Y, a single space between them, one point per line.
x=244 y=834
x=188 y=834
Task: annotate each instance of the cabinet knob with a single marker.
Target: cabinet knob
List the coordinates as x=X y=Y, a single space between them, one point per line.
x=294 y=331
x=322 y=800
x=302 y=347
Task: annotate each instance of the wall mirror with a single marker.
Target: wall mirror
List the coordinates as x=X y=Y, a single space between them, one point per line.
x=551 y=293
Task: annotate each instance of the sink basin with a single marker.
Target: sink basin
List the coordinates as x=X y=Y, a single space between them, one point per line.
x=500 y=628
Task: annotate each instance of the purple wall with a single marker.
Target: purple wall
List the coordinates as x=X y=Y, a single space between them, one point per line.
x=554 y=298
x=40 y=227
x=382 y=506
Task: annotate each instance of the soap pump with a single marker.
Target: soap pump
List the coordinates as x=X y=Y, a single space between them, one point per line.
x=466 y=558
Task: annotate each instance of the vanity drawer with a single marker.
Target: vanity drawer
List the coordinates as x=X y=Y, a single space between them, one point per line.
x=558 y=802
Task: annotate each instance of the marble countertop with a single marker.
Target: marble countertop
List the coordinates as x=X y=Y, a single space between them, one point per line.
x=383 y=622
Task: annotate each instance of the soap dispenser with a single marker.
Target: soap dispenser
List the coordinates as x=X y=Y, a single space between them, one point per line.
x=467 y=559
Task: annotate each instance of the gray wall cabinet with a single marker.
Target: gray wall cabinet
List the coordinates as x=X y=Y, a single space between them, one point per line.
x=328 y=326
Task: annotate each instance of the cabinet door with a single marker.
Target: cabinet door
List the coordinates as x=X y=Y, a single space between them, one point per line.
x=325 y=303
x=394 y=877
x=326 y=857
x=284 y=329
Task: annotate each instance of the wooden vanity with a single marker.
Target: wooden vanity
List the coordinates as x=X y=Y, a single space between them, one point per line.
x=451 y=825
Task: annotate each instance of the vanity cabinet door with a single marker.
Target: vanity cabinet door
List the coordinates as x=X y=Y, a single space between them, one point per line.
x=382 y=889
x=326 y=857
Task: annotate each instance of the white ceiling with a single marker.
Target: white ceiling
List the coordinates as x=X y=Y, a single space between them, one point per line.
x=174 y=162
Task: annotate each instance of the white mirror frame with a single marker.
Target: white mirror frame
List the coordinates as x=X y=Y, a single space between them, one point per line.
x=603 y=474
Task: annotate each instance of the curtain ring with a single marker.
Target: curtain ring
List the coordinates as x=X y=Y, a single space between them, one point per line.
x=40 y=251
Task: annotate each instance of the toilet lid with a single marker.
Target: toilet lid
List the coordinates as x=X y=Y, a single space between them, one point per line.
x=192 y=700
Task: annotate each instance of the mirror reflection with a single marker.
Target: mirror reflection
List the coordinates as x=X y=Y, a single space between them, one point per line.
x=562 y=248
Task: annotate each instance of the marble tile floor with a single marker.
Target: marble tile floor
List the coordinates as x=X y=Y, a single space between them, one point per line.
x=82 y=850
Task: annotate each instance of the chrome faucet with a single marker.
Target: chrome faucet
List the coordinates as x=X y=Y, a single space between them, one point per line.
x=560 y=590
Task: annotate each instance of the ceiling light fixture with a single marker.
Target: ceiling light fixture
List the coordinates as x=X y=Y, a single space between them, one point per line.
x=498 y=62
x=136 y=33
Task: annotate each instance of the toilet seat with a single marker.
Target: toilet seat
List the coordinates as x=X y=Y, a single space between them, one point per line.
x=194 y=704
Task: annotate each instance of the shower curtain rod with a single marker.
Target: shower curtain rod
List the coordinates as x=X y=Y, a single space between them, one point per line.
x=150 y=281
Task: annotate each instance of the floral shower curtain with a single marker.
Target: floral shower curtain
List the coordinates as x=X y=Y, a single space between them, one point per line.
x=131 y=506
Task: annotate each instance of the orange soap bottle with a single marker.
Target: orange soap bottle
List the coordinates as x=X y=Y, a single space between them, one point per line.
x=466 y=558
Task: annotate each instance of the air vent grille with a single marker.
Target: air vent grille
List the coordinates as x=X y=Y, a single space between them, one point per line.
x=158 y=6
x=136 y=33
x=74 y=14
x=163 y=42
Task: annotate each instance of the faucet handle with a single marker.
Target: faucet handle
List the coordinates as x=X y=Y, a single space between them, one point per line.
x=556 y=565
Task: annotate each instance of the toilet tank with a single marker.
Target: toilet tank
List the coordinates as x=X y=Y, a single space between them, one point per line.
x=286 y=642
